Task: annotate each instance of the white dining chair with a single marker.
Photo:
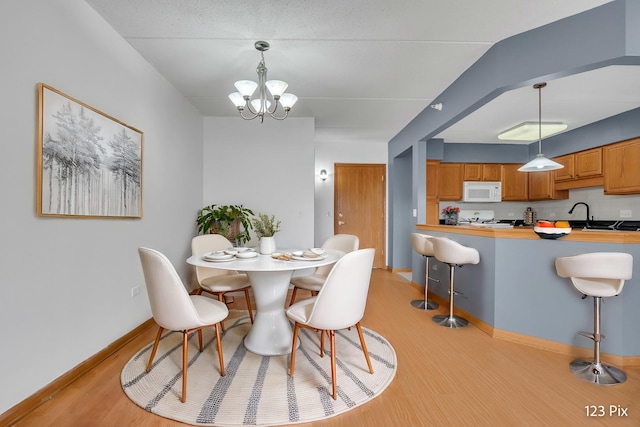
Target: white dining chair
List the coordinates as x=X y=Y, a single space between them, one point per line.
x=340 y=304
x=338 y=243
x=174 y=309
x=217 y=281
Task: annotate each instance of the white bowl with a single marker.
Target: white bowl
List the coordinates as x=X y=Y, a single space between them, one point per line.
x=317 y=251
x=230 y=251
x=297 y=253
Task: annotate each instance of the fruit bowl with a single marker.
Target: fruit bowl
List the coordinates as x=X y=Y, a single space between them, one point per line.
x=551 y=232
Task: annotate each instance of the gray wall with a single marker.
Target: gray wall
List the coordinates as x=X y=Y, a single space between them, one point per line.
x=65 y=290
x=515 y=288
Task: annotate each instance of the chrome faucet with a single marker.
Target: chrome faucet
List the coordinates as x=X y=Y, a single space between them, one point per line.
x=586 y=205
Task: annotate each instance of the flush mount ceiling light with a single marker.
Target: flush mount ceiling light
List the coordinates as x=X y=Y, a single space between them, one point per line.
x=540 y=163
x=529 y=131
x=259 y=107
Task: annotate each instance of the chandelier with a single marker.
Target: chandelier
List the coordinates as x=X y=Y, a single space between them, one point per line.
x=261 y=106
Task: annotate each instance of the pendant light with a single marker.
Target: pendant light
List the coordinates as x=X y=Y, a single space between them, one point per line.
x=540 y=163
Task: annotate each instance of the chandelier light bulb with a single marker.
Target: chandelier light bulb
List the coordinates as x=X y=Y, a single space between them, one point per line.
x=237 y=99
x=288 y=100
x=276 y=87
x=246 y=87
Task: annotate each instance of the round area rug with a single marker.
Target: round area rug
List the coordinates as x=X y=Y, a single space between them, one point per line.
x=257 y=390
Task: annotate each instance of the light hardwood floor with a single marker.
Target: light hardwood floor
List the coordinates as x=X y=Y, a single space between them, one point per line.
x=445 y=377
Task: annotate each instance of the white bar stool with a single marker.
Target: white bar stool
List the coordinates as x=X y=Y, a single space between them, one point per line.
x=424 y=247
x=598 y=274
x=454 y=254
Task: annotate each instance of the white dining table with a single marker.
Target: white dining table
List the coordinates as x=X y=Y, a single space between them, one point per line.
x=271 y=332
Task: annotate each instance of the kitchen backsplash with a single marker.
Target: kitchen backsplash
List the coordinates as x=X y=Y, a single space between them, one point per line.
x=601 y=207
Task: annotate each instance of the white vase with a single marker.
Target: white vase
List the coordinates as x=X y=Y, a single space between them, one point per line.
x=267 y=245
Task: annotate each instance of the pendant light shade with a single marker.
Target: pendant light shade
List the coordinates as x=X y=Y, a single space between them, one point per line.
x=540 y=163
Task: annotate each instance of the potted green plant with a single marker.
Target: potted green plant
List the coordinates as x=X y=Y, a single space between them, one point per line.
x=231 y=221
x=266 y=226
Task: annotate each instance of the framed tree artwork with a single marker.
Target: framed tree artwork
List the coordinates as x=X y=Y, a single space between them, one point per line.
x=89 y=164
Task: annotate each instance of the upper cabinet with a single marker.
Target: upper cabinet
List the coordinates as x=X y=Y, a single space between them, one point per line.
x=450 y=178
x=581 y=169
x=515 y=184
x=621 y=167
x=482 y=172
x=542 y=187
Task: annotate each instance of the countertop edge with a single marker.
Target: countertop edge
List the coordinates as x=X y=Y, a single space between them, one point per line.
x=528 y=233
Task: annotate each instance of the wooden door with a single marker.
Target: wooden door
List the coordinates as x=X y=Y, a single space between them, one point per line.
x=621 y=167
x=450 y=177
x=515 y=184
x=589 y=163
x=360 y=205
x=491 y=171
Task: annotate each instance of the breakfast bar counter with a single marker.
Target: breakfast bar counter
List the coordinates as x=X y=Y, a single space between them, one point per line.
x=515 y=292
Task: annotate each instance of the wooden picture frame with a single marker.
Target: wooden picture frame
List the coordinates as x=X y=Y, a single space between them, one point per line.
x=89 y=164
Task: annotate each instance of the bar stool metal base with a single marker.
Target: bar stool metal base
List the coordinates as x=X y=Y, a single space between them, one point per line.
x=450 y=321
x=597 y=373
x=419 y=303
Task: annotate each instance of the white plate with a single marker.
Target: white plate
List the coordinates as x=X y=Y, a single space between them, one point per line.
x=247 y=255
x=218 y=260
x=304 y=258
x=214 y=256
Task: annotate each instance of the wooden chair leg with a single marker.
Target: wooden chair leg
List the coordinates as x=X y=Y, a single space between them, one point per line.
x=185 y=339
x=221 y=299
x=246 y=295
x=155 y=347
x=364 y=347
x=321 y=343
x=293 y=295
x=200 y=339
x=296 y=328
x=332 y=336
x=220 y=356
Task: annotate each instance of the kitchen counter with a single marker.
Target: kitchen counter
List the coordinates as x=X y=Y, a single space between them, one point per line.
x=576 y=235
x=516 y=292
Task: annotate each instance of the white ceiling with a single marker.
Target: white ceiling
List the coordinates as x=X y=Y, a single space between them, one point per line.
x=363 y=68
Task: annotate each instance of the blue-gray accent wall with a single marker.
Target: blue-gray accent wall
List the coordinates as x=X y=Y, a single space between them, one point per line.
x=603 y=36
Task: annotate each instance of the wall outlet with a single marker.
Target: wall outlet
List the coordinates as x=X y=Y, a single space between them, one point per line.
x=135 y=291
x=415 y=213
x=625 y=213
x=510 y=215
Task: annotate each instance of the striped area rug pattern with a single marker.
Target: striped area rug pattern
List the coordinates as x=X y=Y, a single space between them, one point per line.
x=257 y=390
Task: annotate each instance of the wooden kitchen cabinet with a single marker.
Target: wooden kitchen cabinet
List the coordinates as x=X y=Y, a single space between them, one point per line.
x=515 y=184
x=433 y=198
x=482 y=172
x=450 y=178
x=581 y=169
x=542 y=187
x=621 y=162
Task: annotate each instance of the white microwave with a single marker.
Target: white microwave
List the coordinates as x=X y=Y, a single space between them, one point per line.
x=482 y=191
